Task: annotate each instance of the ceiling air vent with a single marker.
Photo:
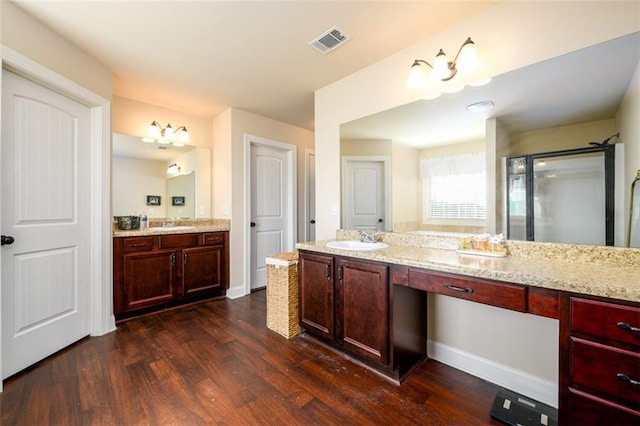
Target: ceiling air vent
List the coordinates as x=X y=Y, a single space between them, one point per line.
x=330 y=40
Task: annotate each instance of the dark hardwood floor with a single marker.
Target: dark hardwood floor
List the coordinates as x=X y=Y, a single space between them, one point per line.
x=217 y=363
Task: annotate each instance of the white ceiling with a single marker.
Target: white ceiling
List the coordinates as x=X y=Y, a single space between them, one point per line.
x=201 y=57
x=581 y=86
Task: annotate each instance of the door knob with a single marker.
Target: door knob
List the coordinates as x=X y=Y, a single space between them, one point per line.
x=379 y=220
x=6 y=240
x=253 y=224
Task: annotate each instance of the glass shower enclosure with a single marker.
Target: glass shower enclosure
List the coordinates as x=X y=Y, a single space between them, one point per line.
x=562 y=196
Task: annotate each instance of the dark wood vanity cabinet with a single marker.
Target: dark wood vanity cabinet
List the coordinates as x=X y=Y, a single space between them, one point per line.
x=202 y=270
x=362 y=309
x=377 y=313
x=347 y=303
x=148 y=279
x=161 y=271
x=599 y=362
x=315 y=305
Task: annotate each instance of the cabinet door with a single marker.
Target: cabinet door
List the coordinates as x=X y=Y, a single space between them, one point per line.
x=202 y=270
x=362 y=309
x=316 y=294
x=149 y=278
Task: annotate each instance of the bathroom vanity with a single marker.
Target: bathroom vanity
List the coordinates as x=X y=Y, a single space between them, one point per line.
x=161 y=268
x=371 y=305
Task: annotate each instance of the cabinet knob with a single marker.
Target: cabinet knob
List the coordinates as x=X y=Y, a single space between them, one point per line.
x=253 y=224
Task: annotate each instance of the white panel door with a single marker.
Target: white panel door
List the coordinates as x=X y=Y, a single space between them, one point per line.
x=363 y=196
x=269 y=209
x=311 y=197
x=45 y=208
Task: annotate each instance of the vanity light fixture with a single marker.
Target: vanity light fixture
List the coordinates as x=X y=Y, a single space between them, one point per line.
x=167 y=135
x=442 y=69
x=173 y=169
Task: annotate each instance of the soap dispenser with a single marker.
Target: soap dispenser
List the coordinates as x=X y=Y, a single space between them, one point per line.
x=144 y=222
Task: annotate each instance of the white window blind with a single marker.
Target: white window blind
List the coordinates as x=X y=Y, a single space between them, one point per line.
x=454 y=187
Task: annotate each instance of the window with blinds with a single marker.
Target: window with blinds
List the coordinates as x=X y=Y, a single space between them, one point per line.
x=454 y=188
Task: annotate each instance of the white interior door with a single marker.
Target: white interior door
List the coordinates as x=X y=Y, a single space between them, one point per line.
x=269 y=208
x=363 y=195
x=45 y=208
x=311 y=197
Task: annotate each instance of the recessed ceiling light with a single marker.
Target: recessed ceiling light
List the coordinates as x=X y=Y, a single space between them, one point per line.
x=480 y=106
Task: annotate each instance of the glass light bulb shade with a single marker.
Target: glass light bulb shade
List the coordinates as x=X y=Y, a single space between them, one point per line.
x=154 y=130
x=416 y=78
x=168 y=133
x=148 y=140
x=441 y=66
x=468 y=57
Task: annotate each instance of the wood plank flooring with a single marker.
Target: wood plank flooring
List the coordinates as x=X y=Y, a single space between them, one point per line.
x=217 y=363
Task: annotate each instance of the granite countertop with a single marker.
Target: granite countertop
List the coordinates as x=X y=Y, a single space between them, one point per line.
x=620 y=280
x=196 y=225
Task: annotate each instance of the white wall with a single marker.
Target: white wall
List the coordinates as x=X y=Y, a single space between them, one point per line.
x=509 y=36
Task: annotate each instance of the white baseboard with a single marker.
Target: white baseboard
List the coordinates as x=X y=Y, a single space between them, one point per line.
x=518 y=381
x=236 y=292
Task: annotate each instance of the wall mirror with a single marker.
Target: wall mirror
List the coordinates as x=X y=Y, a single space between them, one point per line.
x=551 y=96
x=178 y=177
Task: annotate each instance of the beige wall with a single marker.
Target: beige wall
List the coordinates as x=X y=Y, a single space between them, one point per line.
x=29 y=37
x=509 y=36
x=562 y=138
x=406 y=188
x=150 y=178
x=366 y=147
x=132 y=117
x=629 y=126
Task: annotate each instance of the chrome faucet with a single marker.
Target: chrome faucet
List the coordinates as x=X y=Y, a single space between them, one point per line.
x=366 y=238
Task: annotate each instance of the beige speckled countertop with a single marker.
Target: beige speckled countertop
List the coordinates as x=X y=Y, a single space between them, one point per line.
x=199 y=225
x=598 y=271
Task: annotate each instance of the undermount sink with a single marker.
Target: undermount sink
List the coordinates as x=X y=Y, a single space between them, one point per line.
x=171 y=228
x=356 y=245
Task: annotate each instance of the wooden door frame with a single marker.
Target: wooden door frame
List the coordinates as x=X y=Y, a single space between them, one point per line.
x=386 y=166
x=291 y=152
x=100 y=309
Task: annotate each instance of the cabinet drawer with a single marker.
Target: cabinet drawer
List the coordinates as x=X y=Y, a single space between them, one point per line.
x=178 y=240
x=595 y=367
x=137 y=244
x=213 y=238
x=503 y=295
x=605 y=320
x=588 y=409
